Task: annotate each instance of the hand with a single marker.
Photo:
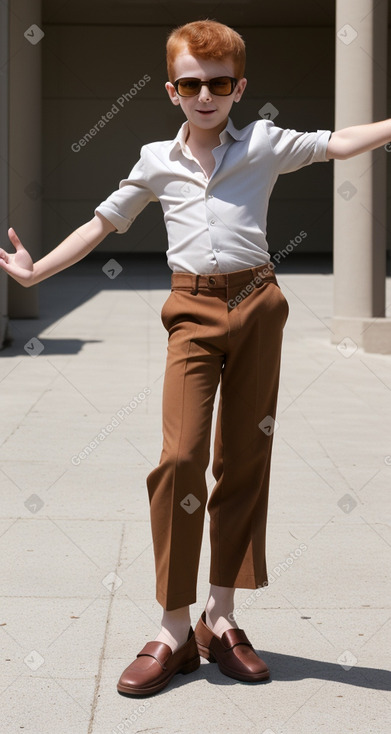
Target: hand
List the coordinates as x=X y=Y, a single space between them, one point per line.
x=19 y=264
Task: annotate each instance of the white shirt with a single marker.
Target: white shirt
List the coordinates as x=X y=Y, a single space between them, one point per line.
x=216 y=224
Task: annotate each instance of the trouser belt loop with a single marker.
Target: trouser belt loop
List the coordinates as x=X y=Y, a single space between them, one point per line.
x=262 y=274
x=194 y=291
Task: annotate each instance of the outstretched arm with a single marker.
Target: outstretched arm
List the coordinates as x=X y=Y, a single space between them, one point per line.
x=351 y=141
x=21 y=267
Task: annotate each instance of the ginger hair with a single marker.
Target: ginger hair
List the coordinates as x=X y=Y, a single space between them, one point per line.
x=207 y=39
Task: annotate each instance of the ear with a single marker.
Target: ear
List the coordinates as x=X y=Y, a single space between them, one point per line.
x=240 y=87
x=172 y=93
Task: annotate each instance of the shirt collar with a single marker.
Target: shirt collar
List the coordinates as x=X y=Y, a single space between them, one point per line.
x=230 y=131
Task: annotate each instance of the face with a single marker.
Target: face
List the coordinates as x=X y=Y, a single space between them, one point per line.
x=205 y=110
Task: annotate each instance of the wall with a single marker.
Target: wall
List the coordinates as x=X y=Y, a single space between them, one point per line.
x=3 y=163
x=86 y=68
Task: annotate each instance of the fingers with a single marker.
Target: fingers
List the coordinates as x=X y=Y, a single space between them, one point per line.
x=14 y=239
x=4 y=265
x=12 y=271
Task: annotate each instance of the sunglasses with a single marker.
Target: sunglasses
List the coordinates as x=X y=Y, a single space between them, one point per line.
x=220 y=85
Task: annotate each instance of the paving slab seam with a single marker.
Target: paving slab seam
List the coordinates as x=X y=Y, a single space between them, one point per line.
x=101 y=657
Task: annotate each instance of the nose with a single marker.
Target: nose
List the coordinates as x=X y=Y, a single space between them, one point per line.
x=204 y=94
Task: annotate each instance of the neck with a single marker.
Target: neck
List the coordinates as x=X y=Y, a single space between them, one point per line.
x=205 y=138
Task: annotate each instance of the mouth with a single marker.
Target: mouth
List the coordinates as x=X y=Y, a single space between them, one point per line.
x=206 y=112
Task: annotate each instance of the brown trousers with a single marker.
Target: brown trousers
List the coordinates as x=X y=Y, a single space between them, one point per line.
x=219 y=331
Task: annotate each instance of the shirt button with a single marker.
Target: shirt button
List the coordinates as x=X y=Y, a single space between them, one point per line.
x=210 y=196
x=212 y=221
x=217 y=249
x=212 y=281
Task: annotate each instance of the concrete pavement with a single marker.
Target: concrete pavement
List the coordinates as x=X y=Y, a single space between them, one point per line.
x=80 y=428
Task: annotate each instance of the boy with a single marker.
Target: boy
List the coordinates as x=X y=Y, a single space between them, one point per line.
x=225 y=317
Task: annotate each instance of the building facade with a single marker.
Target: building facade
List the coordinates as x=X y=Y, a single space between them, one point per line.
x=82 y=90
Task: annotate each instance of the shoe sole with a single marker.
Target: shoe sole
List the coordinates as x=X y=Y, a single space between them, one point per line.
x=205 y=652
x=187 y=668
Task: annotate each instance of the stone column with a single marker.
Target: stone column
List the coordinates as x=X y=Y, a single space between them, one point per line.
x=360 y=215
x=25 y=105
x=3 y=163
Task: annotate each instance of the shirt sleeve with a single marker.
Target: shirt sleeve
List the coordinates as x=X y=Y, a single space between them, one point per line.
x=132 y=196
x=294 y=150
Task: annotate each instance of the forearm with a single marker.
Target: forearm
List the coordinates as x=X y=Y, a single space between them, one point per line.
x=72 y=249
x=351 y=141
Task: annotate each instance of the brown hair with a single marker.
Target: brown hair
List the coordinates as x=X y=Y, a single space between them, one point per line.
x=207 y=39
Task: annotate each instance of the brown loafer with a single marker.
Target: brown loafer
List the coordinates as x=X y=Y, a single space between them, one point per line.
x=233 y=652
x=156 y=664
